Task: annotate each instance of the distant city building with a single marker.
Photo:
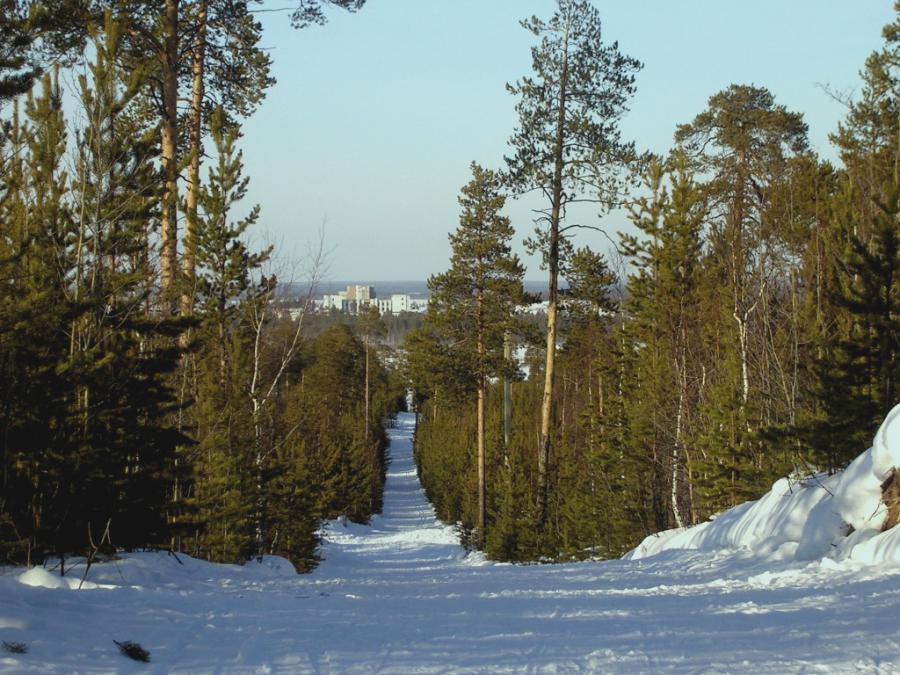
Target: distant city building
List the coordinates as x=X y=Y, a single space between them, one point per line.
x=361 y=294
x=399 y=303
x=356 y=297
x=338 y=301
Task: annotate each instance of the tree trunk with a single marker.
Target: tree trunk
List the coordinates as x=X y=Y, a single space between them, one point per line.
x=168 y=257
x=195 y=150
x=553 y=265
x=482 y=480
x=507 y=399
x=680 y=367
x=256 y=407
x=366 y=423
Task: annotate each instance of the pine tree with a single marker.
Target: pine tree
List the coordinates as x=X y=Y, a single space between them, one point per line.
x=36 y=399
x=742 y=141
x=370 y=327
x=663 y=301
x=868 y=139
x=226 y=293
x=472 y=304
x=229 y=69
x=591 y=468
x=33 y=34
x=310 y=12
x=17 y=71
x=120 y=364
x=568 y=145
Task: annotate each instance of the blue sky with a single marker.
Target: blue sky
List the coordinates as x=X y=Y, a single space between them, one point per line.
x=376 y=116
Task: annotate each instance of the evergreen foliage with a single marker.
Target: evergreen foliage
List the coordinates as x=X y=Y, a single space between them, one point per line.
x=754 y=335
x=753 y=329
x=225 y=432
x=472 y=306
x=568 y=146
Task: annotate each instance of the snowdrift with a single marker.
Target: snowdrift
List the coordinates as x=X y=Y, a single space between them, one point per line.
x=839 y=517
x=151 y=570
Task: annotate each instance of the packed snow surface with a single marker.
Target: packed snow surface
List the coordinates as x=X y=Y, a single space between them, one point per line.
x=401 y=596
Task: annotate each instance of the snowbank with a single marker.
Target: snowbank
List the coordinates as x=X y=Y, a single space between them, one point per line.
x=808 y=519
x=154 y=570
x=38 y=577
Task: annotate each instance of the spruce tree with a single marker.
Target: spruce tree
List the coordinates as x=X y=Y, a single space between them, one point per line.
x=859 y=382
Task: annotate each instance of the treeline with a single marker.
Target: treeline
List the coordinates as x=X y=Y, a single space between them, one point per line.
x=396 y=326
x=150 y=393
x=749 y=329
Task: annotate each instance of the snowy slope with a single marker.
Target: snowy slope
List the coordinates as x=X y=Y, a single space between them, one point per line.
x=400 y=596
x=808 y=519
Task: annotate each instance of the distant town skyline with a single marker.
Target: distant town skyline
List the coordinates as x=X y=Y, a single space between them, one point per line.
x=376 y=116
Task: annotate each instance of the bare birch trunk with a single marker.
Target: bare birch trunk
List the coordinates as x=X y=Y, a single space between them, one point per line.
x=681 y=368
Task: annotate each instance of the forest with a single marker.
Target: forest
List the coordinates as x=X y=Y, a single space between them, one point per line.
x=747 y=328
x=153 y=395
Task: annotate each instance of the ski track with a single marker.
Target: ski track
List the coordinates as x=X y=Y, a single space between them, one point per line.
x=400 y=596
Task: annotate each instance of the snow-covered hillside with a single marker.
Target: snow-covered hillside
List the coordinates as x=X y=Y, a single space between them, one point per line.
x=400 y=596
x=838 y=517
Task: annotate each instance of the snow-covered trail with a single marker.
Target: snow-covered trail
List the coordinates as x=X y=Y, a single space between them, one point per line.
x=406 y=538
x=400 y=596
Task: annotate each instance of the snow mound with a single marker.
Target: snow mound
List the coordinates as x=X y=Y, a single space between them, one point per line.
x=271 y=567
x=38 y=577
x=156 y=570
x=808 y=519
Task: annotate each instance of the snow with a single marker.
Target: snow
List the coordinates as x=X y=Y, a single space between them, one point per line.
x=401 y=596
x=808 y=519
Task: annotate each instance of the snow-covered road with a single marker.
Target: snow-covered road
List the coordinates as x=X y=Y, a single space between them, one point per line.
x=400 y=596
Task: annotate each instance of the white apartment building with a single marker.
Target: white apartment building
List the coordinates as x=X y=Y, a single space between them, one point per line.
x=361 y=294
x=356 y=297
x=337 y=301
x=399 y=303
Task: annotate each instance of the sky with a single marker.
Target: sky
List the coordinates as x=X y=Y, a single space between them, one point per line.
x=369 y=132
